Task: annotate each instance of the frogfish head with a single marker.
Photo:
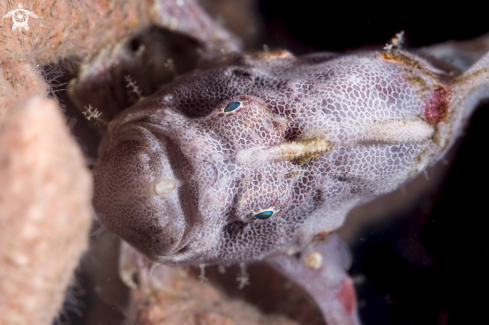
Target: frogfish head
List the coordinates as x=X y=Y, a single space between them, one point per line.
x=259 y=154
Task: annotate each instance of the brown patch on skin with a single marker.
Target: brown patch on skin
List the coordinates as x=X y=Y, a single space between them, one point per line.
x=428 y=85
x=386 y=55
x=417 y=80
x=347 y=296
x=275 y=55
x=321 y=235
x=436 y=107
x=467 y=79
x=416 y=72
x=400 y=57
x=413 y=70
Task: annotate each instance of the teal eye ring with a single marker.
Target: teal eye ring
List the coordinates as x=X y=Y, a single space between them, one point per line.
x=263 y=214
x=231 y=107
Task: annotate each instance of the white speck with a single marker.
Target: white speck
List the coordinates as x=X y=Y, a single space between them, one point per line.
x=243 y=277
x=202 y=277
x=165 y=186
x=221 y=268
x=388 y=47
x=173 y=24
x=314 y=260
x=291 y=252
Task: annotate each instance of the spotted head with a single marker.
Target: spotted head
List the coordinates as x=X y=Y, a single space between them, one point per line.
x=258 y=154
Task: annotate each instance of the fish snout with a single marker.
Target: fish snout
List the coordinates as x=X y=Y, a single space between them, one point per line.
x=139 y=193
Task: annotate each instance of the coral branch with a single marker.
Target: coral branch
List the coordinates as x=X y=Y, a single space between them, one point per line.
x=44 y=212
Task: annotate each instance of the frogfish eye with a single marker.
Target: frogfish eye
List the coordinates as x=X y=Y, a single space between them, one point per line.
x=232 y=106
x=265 y=213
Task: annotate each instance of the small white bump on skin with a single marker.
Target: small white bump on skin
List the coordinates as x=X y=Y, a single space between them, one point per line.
x=291 y=251
x=314 y=260
x=165 y=186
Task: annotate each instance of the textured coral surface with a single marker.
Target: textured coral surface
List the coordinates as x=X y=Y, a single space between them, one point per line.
x=166 y=295
x=45 y=212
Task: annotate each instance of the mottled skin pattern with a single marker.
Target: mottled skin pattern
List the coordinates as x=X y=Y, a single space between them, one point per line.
x=314 y=136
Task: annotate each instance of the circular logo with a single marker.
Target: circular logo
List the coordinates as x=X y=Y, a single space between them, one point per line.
x=20 y=18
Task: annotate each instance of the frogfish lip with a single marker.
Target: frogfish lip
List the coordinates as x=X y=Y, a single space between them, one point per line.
x=140 y=192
